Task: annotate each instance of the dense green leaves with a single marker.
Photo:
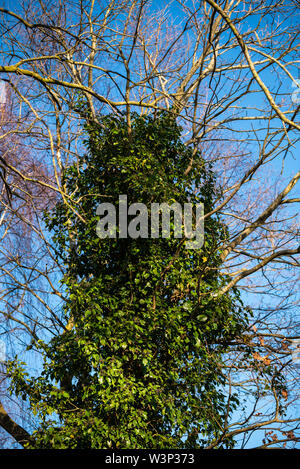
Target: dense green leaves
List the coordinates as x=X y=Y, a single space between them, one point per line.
x=142 y=365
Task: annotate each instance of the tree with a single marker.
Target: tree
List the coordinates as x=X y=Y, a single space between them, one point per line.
x=142 y=365
x=228 y=71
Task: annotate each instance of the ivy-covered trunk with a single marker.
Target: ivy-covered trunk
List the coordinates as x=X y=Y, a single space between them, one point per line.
x=139 y=364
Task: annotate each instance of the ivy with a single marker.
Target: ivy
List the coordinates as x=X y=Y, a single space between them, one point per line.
x=142 y=365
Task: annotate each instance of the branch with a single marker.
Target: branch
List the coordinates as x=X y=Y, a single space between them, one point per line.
x=15 y=430
x=247 y=272
x=255 y=74
x=262 y=218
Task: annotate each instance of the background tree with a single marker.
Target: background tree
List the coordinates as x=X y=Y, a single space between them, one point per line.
x=229 y=70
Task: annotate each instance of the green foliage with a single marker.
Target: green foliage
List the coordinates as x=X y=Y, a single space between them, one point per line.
x=142 y=365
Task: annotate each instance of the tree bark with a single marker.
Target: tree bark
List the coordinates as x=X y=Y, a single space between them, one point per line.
x=14 y=429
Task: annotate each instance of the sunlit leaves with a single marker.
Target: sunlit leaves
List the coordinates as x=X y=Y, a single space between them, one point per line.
x=142 y=366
